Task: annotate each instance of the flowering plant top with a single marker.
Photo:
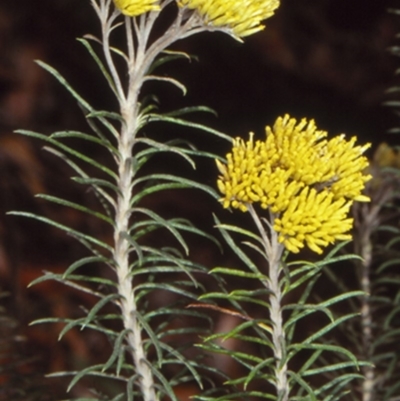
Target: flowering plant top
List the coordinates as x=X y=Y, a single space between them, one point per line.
x=307 y=182
x=239 y=18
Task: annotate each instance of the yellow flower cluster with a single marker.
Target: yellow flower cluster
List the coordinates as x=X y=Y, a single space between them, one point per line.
x=241 y=17
x=308 y=182
x=133 y=8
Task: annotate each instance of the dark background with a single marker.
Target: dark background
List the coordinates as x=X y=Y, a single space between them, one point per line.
x=322 y=59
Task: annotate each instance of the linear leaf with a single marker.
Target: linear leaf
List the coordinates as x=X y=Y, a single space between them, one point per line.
x=169 y=56
x=178 y=121
x=96 y=308
x=68 y=150
x=62 y=227
x=181 y=180
x=247 y=261
x=157 y=219
x=117 y=349
x=238 y=273
x=65 y=84
x=84 y=261
x=99 y=63
x=90 y=138
x=303 y=384
x=156 y=188
x=75 y=206
x=328 y=328
x=163 y=147
x=98 y=191
x=170 y=80
x=96 y=182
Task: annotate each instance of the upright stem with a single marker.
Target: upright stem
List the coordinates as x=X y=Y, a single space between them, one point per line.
x=121 y=250
x=273 y=250
x=366 y=319
x=129 y=112
x=364 y=249
x=139 y=59
x=367 y=219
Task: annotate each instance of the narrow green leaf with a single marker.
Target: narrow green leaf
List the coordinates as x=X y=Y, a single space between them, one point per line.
x=97 y=190
x=186 y=225
x=251 y=297
x=166 y=387
x=58 y=320
x=269 y=363
x=99 y=63
x=68 y=150
x=136 y=247
x=155 y=342
x=258 y=249
x=91 y=371
x=324 y=347
x=94 y=370
x=157 y=219
x=99 y=114
x=169 y=80
x=71 y=324
x=113 y=131
x=59 y=278
x=62 y=227
x=130 y=388
x=96 y=182
x=148 y=190
x=175 y=312
x=85 y=261
x=387 y=264
x=65 y=84
x=184 y=361
x=162 y=147
x=190 y=110
x=97 y=307
x=238 y=273
x=328 y=328
x=303 y=384
x=166 y=287
x=181 y=180
x=173 y=120
x=335 y=382
x=333 y=368
x=90 y=138
x=169 y=56
x=240 y=230
x=162 y=255
x=75 y=206
x=118 y=348
x=229 y=240
x=304 y=310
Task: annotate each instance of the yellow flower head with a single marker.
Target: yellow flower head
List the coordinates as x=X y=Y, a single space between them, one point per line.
x=314 y=218
x=133 y=8
x=240 y=17
x=307 y=181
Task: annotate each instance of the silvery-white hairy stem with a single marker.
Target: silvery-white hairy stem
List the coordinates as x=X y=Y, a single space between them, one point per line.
x=273 y=253
x=368 y=215
x=140 y=55
x=367 y=219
